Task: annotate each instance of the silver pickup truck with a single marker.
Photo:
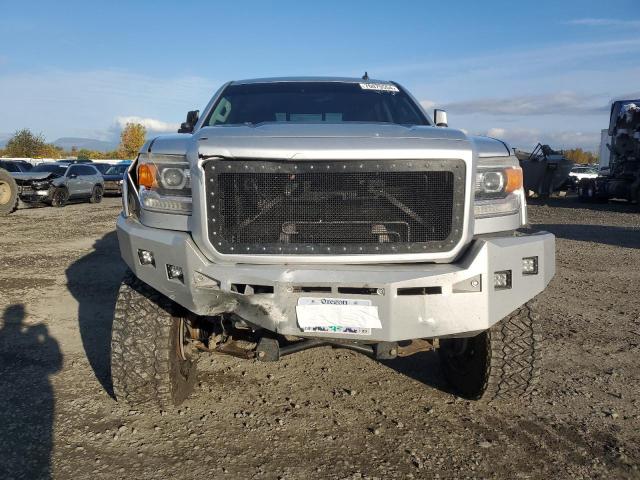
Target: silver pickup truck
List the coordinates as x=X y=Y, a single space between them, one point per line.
x=304 y=212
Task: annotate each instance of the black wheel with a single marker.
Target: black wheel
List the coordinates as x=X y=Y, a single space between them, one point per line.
x=59 y=197
x=151 y=360
x=502 y=362
x=8 y=193
x=96 y=194
x=587 y=191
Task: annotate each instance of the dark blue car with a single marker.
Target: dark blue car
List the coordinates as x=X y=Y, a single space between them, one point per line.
x=113 y=178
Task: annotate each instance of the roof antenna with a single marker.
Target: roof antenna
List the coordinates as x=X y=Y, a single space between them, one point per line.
x=365 y=76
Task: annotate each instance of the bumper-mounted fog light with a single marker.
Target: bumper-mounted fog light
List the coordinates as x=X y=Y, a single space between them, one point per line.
x=146 y=257
x=175 y=273
x=530 y=266
x=502 y=280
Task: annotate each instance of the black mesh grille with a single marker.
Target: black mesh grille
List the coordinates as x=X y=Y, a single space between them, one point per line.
x=329 y=207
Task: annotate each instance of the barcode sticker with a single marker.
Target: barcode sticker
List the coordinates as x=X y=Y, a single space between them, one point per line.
x=381 y=87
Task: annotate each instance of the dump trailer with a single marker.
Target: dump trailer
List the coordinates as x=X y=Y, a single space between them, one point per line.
x=619 y=157
x=545 y=170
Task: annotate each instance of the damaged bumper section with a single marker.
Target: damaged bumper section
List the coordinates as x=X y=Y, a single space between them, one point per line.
x=369 y=303
x=34 y=192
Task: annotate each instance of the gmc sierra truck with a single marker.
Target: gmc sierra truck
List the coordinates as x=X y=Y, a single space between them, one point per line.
x=304 y=212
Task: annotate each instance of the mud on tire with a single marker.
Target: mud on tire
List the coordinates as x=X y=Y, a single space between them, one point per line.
x=8 y=193
x=147 y=366
x=502 y=362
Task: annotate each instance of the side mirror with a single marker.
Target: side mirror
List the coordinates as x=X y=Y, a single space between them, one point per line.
x=192 y=119
x=440 y=117
x=73 y=175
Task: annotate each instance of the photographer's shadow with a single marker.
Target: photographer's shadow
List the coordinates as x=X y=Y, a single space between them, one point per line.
x=28 y=357
x=94 y=281
x=423 y=367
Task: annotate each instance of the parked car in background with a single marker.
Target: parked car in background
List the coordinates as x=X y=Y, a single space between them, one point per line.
x=113 y=178
x=15 y=165
x=74 y=160
x=578 y=173
x=103 y=167
x=57 y=183
x=584 y=172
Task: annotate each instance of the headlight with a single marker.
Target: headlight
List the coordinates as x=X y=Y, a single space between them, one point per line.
x=497 y=182
x=164 y=183
x=497 y=190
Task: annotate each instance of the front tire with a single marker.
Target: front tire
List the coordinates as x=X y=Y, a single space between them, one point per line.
x=502 y=362
x=96 y=194
x=587 y=191
x=59 y=197
x=150 y=363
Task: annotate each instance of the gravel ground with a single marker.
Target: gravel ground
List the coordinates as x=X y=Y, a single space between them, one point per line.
x=321 y=413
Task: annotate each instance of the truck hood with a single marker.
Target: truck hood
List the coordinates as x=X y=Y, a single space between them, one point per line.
x=274 y=140
x=489 y=147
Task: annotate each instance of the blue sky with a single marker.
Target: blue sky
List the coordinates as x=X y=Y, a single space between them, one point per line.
x=523 y=71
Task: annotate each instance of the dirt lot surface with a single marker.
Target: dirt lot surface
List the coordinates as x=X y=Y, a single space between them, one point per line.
x=321 y=413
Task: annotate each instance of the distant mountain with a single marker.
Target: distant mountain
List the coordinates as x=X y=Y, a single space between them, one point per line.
x=89 y=143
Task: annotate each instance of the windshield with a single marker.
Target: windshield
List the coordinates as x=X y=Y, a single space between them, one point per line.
x=50 y=168
x=117 y=170
x=315 y=102
x=10 y=167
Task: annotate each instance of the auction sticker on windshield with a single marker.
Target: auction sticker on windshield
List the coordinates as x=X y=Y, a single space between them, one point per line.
x=381 y=87
x=337 y=315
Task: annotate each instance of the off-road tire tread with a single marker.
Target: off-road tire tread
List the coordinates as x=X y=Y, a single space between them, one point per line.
x=513 y=346
x=12 y=206
x=510 y=351
x=142 y=349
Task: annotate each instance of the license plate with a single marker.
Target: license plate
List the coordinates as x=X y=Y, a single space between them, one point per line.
x=337 y=315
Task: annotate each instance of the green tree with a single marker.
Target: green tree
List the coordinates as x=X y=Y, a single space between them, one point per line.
x=24 y=143
x=131 y=140
x=49 y=150
x=84 y=154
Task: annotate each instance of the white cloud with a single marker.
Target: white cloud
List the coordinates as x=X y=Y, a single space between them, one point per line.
x=558 y=103
x=151 y=124
x=604 y=22
x=427 y=104
x=496 y=132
